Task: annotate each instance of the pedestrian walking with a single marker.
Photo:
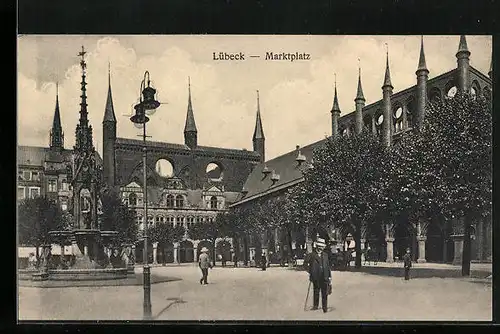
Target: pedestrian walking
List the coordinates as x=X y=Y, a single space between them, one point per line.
x=235 y=260
x=204 y=264
x=407 y=264
x=263 y=262
x=320 y=274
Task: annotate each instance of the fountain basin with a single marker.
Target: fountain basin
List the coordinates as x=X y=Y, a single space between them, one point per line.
x=87 y=274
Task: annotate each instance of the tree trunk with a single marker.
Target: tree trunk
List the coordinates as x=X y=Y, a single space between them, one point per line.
x=245 y=250
x=37 y=254
x=357 y=246
x=467 y=248
x=290 y=252
x=214 y=252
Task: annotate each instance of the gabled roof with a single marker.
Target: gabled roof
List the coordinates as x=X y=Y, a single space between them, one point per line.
x=36 y=155
x=285 y=165
x=137 y=142
x=227 y=151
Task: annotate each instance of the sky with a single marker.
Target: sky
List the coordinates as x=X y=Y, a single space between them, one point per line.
x=295 y=97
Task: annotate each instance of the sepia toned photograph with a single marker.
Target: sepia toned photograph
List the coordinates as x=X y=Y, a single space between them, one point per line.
x=254 y=177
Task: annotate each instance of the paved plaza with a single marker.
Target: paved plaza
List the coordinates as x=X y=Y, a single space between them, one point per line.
x=275 y=294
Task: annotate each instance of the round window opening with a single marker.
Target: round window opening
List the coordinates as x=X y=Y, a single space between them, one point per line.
x=452 y=91
x=380 y=119
x=164 y=168
x=399 y=112
x=214 y=172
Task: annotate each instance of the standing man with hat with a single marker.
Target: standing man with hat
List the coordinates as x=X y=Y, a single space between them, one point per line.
x=204 y=264
x=320 y=274
x=407 y=264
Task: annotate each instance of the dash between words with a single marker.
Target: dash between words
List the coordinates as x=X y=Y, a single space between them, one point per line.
x=287 y=56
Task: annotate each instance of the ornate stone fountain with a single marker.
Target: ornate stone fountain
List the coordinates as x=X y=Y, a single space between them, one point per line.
x=89 y=244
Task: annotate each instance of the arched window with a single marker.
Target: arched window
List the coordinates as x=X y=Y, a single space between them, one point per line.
x=367 y=123
x=171 y=221
x=487 y=93
x=452 y=92
x=159 y=219
x=181 y=221
x=150 y=220
x=199 y=220
x=190 y=222
x=164 y=168
x=214 y=171
x=410 y=111
x=179 y=201
x=213 y=202
x=398 y=119
x=475 y=89
x=170 y=201
x=435 y=95
x=132 y=199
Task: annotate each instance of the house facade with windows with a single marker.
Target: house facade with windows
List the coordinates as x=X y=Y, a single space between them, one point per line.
x=388 y=118
x=46 y=171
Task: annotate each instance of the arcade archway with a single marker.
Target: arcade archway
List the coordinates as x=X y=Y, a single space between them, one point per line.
x=186 y=251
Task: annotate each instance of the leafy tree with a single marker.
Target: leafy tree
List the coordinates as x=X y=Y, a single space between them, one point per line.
x=116 y=216
x=210 y=231
x=165 y=234
x=345 y=188
x=36 y=218
x=460 y=129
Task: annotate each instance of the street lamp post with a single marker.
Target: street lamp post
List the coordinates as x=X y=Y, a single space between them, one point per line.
x=146 y=106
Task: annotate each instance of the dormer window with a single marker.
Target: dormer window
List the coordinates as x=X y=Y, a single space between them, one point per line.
x=275 y=177
x=300 y=157
x=266 y=171
x=213 y=202
x=179 y=201
x=170 y=201
x=244 y=191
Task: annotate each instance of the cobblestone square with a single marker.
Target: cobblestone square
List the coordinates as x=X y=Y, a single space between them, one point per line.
x=275 y=294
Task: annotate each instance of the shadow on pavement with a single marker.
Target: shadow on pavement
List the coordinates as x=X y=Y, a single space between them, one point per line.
x=173 y=301
x=420 y=272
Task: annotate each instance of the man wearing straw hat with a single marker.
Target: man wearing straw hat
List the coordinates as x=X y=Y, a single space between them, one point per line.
x=320 y=274
x=204 y=264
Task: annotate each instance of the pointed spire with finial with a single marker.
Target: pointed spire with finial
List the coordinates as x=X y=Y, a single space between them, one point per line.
x=422 y=66
x=56 y=133
x=190 y=123
x=259 y=130
x=462 y=46
x=387 y=77
x=335 y=97
x=109 y=112
x=359 y=94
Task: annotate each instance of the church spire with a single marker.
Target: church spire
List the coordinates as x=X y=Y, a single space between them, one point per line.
x=359 y=94
x=422 y=66
x=258 y=138
x=56 y=133
x=387 y=78
x=335 y=98
x=462 y=45
x=258 y=131
x=190 y=131
x=109 y=112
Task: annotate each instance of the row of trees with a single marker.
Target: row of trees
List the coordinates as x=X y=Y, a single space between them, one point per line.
x=439 y=174
x=433 y=176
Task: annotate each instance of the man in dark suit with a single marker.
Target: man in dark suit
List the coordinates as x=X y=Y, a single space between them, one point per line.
x=407 y=264
x=320 y=274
